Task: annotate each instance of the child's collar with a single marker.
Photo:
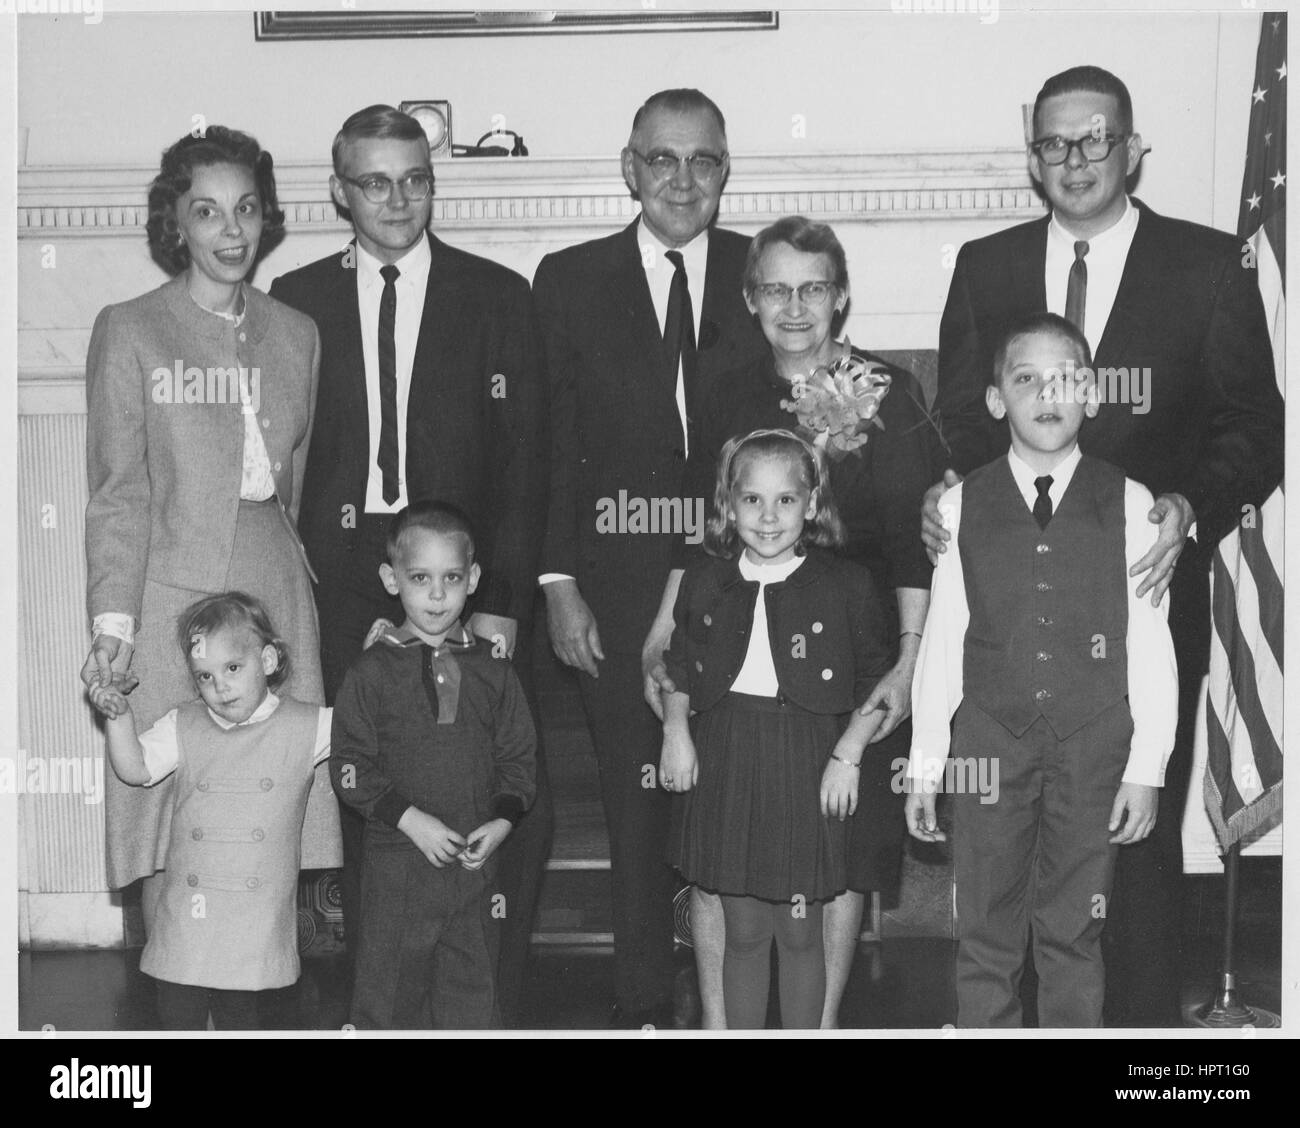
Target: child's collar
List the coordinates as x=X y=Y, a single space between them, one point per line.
x=457 y=638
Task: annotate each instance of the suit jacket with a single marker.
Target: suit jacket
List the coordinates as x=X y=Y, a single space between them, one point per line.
x=165 y=470
x=1187 y=309
x=472 y=438
x=614 y=420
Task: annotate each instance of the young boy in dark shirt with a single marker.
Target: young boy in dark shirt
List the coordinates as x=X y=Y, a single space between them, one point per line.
x=433 y=743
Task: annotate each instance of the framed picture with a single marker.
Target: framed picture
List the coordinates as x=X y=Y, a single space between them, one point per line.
x=401 y=25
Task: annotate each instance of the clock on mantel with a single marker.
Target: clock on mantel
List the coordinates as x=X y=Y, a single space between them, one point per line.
x=435 y=117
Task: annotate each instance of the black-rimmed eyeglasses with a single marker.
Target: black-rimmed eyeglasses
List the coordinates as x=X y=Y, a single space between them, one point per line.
x=703 y=166
x=379 y=189
x=1093 y=147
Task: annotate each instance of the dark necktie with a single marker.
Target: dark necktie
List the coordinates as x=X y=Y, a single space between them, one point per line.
x=1076 y=290
x=1043 y=502
x=388 y=383
x=679 y=329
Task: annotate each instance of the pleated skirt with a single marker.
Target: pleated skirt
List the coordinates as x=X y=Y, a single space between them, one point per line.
x=266 y=564
x=752 y=825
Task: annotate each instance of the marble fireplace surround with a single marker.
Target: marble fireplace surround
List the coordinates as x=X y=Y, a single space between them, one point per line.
x=81 y=245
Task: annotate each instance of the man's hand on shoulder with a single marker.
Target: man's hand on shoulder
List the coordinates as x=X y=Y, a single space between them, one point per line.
x=935 y=536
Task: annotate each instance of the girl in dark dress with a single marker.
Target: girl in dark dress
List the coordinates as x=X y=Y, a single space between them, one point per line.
x=796 y=284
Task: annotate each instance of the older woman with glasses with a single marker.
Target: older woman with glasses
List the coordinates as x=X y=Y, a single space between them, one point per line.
x=797 y=286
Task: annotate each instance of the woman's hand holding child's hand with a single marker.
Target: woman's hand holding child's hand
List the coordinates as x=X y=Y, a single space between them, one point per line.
x=679 y=767
x=483 y=843
x=108 y=695
x=436 y=840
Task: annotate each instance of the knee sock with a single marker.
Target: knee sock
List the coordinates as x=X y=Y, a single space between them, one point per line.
x=746 y=964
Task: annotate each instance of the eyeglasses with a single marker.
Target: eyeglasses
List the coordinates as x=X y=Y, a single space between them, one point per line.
x=1092 y=147
x=774 y=295
x=379 y=189
x=703 y=166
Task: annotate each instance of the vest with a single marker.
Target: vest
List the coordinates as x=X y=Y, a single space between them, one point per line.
x=1048 y=607
x=227 y=913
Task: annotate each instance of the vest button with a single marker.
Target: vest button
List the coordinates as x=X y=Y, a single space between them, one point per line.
x=203 y=785
x=267 y=784
x=192 y=880
x=259 y=834
x=699 y=667
x=827 y=675
x=1042 y=695
x=817 y=628
x=1042 y=586
x=196 y=834
x=1043 y=656
x=1044 y=620
x=1040 y=549
x=708 y=620
x=252 y=883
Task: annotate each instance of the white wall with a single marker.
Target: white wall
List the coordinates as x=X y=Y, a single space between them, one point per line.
x=119 y=91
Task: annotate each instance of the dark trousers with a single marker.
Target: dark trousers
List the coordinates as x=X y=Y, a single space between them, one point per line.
x=348 y=601
x=183 y=1006
x=1035 y=857
x=426 y=958
x=1143 y=938
x=628 y=741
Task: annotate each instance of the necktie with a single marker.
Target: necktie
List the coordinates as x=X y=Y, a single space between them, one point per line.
x=388 y=383
x=679 y=329
x=1043 y=502
x=1076 y=290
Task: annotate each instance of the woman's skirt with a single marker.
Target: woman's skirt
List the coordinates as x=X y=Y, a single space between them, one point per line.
x=752 y=826
x=266 y=563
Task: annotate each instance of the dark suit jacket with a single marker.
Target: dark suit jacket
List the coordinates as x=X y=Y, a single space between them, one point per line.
x=1187 y=309
x=471 y=439
x=614 y=421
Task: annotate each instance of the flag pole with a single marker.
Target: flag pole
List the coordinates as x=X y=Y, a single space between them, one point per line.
x=1227 y=1011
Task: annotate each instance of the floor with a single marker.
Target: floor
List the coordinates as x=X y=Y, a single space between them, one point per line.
x=901 y=983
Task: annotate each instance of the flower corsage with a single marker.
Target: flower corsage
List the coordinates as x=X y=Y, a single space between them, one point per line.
x=837 y=405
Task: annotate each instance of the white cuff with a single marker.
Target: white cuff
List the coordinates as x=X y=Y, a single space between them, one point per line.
x=115 y=625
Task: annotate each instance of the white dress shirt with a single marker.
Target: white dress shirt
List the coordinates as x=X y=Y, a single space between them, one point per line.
x=1152 y=672
x=411 y=285
x=1107 y=254
x=758 y=671
x=659 y=276
x=162 y=749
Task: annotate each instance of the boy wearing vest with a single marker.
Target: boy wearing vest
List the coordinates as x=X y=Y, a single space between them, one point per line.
x=1063 y=686
x=434 y=745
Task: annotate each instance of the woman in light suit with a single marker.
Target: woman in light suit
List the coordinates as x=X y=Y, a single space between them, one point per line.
x=200 y=397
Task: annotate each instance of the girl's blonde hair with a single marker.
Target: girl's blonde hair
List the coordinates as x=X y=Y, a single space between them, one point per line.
x=824 y=528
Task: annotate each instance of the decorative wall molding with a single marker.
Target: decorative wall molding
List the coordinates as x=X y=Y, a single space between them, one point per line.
x=511 y=193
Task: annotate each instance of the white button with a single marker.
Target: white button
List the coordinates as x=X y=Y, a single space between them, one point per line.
x=817 y=628
x=440 y=679
x=243 y=337
x=826 y=675
x=277 y=467
x=266 y=422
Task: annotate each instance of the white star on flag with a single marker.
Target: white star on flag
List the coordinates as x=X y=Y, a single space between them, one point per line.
x=1279 y=179
x=1258 y=93
x=1281 y=71
x=1253 y=201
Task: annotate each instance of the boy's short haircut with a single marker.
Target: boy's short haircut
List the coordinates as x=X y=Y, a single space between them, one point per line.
x=439 y=517
x=232 y=609
x=1042 y=322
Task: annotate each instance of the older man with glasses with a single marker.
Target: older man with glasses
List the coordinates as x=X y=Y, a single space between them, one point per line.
x=632 y=325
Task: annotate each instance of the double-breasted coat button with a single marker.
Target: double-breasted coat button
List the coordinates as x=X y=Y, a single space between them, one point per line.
x=259 y=834
x=267 y=784
x=196 y=834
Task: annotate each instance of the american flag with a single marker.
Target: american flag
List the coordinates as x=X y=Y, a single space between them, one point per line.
x=1243 y=772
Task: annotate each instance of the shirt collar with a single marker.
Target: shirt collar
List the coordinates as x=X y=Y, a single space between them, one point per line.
x=268 y=706
x=414 y=265
x=1060 y=474
x=695 y=254
x=1121 y=229
x=459 y=637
